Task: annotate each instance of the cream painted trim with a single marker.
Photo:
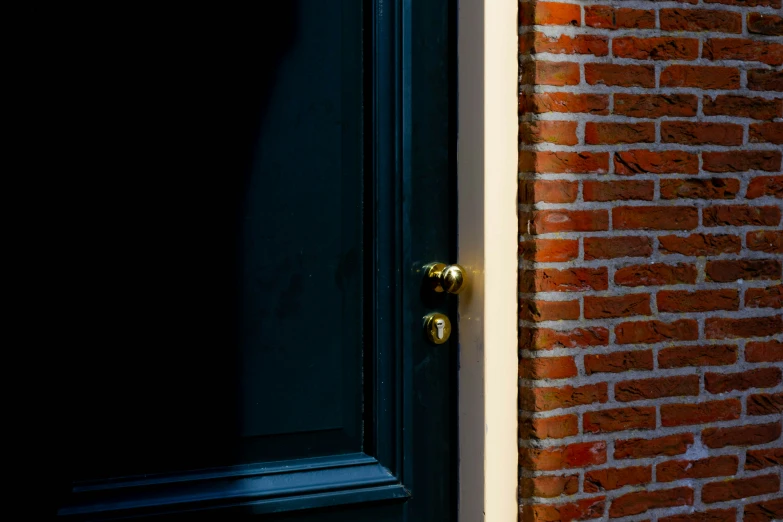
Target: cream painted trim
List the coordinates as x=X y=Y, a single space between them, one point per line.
x=487 y=226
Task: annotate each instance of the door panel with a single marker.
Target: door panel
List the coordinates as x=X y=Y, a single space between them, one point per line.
x=251 y=200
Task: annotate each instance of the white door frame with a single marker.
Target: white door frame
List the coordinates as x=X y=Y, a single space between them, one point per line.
x=487 y=239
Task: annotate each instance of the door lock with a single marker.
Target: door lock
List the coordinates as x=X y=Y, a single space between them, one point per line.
x=437 y=328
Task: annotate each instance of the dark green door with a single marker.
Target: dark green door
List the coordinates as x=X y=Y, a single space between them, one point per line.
x=247 y=204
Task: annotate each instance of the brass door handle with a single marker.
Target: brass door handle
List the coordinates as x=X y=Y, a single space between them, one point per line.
x=446 y=278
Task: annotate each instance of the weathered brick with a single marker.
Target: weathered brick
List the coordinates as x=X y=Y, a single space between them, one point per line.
x=540 y=72
x=606 y=17
x=769 y=297
x=741 y=161
x=770 y=53
x=622 y=75
x=765 y=511
x=616 y=478
x=765 y=80
x=552 y=398
x=700 y=413
x=655 y=105
x=548 y=191
x=646 y=332
x=616 y=362
x=549 y=339
x=548 y=486
x=614 y=247
x=548 y=221
x=725 y=382
x=655 y=218
x=763 y=458
x=705 y=355
x=563 y=44
x=700 y=20
x=568 y=280
x=549 y=13
x=636 y=390
x=618 y=190
x=694 y=469
x=656 y=274
x=619 y=419
x=700 y=188
x=564 y=102
x=750 y=435
x=765 y=403
x=657 y=48
x=600 y=307
x=563 y=457
x=583 y=509
x=549 y=250
x=742 y=106
x=724 y=328
x=764 y=351
x=547 y=367
x=538 y=310
x=638 y=448
x=768 y=132
x=762 y=186
x=700 y=244
x=740 y=488
x=640 y=501
x=546 y=131
x=711 y=515
x=766 y=24
x=697 y=300
x=612 y=133
x=741 y=215
x=701 y=133
x=765 y=241
x=557 y=427
x=655 y=162
x=700 y=77
x=564 y=162
x=724 y=271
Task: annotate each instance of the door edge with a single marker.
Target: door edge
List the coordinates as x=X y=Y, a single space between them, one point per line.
x=487 y=246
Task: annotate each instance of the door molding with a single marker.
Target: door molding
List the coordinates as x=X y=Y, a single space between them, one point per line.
x=487 y=227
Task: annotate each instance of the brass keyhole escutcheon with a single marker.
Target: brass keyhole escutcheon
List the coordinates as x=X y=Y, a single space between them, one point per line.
x=446 y=278
x=437 y=328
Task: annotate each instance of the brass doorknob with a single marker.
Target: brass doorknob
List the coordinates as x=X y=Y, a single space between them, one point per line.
x=446 y=278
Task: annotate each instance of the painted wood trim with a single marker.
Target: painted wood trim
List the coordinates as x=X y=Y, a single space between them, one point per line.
x=487 y=227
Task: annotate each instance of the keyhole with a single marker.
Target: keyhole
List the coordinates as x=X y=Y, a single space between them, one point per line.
x=440 y=324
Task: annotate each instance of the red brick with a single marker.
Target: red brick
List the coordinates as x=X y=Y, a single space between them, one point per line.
x=701 y=133
x=695 y=469
x=697 y=300
x=563 y=457
x=765 y=80
x=725 y=271
x=618 y=190
x=548 y=221
x=563 y=44
x=765 y=511
x=741 y=488
x=621 y=75
x=548 y=486
x=557 y=427
x=764 y=351
x=537 y=310
x=742 y=106
x=711 y=515
x=564 y=162
x=547 y=368
x=700 y=188
x=549 y=250
x=583 y=509
x=616 y=362
x=546 y=131
x=763 y=458
x=765 y=186
x=606 y=17
x=769 y=132
x=719 y=328
x=612 y=133
x=655 y=162
x=549 y=13
x=765 y=241
x=550 y=73
x=569 y=280
x=740 y=161
x=700 y=77
x=700 y=413
x=705 y=355
x=700 y=244
x=677 y=386
x=614 y=247
x=767 y=24
x=741 y=215
x=645 y=448
x=545 y=399
x=770 y=297
x=565 y=102
x=655 y=218
x=749 y=435
x=746 y=3
x=647 y=332
x=770 y=53
x=641 y=501
x=549 y=339
x=658 y=48
x=548 y=191
x=656 y=274
x=616 y=478
x=655 y=105
x=765 y=403
x=694 y=20
x=619 y=419
x=600 y=307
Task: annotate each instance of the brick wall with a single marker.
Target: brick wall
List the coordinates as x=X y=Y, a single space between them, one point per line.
x=650 y=260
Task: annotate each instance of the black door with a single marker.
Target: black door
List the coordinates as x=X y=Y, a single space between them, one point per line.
x=243 y=207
